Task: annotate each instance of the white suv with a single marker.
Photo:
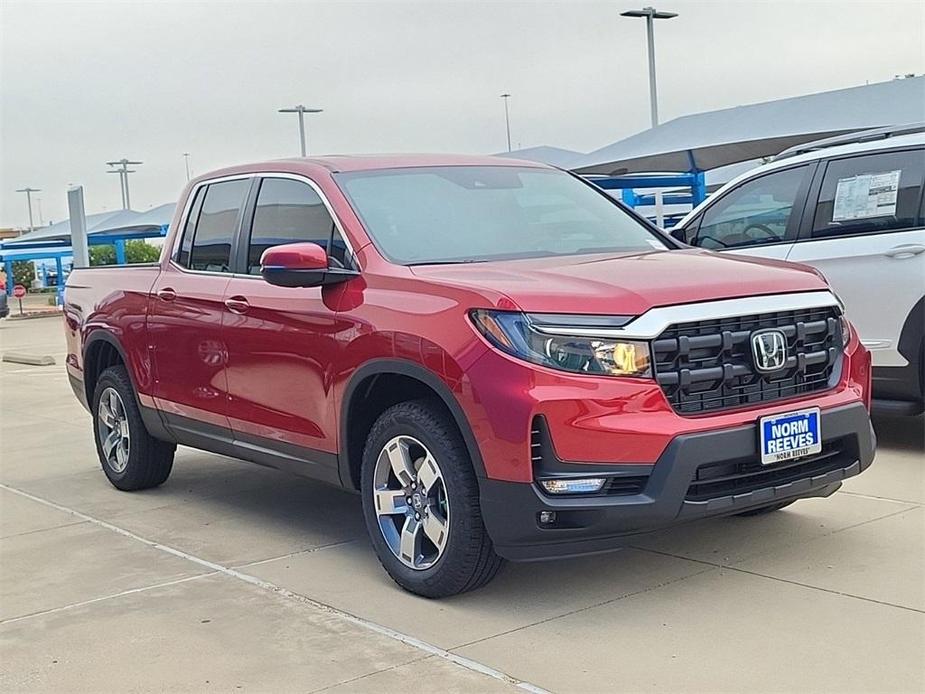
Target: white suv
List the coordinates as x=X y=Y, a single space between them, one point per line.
x=851 y=206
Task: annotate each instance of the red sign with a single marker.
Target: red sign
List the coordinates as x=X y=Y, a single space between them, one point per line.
x=19 y=291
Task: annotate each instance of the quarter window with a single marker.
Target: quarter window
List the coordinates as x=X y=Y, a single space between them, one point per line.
x=290 y=211
x=869 y=194
x=216 y=224
x=757 y=212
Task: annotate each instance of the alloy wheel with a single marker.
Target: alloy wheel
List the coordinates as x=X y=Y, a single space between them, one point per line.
x=115 y=439
x=411 y=502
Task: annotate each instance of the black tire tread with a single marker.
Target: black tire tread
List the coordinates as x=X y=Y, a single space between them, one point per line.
x=479 y=563
x=150 y=459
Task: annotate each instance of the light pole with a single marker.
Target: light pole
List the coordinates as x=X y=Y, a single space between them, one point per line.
x=29 y=191
x=301 y=110
x=651 y=14
x=507 y=120
x=186 y=160
x=123 y=171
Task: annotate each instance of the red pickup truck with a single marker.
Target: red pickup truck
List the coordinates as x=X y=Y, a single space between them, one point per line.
x=502 y=360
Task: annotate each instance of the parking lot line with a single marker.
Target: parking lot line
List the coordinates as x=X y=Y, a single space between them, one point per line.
x=408 y=640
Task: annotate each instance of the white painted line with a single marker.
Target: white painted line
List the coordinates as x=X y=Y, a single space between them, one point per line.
x=420 y=645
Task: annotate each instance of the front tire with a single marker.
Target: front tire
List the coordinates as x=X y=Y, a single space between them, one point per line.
x=131 y=458
x=421 y=503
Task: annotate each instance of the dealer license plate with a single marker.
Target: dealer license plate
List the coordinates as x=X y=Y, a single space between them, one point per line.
x=791 y=435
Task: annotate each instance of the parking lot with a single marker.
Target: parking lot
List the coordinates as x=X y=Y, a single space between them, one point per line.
x=235 y=577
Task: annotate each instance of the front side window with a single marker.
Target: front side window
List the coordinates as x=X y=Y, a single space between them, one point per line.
x=290 y=211
x=756 y=212
x=215 y=228
x=457 y=214
x=869 y=194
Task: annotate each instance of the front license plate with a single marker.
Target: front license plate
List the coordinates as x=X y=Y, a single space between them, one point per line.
x=789 y=436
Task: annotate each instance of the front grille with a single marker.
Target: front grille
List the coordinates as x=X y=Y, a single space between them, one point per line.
x=728 y=478
x=707 y=365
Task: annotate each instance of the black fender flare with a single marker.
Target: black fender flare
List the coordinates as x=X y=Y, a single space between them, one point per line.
x=428 y=378
x=152 y=418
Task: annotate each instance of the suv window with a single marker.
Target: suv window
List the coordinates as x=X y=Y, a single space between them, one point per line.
x=290 y=211
x=757 y=212
x=869 y=194
x=215 y=226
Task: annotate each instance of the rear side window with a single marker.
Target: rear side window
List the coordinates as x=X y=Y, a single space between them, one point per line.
x=290 y=211
x=869 y=194
x=215 y=227
x=756 y=212
x=189 y=228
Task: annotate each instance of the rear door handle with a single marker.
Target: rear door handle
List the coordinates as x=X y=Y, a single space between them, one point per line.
x=237 y=304
x=906 y=250
x=166 y=294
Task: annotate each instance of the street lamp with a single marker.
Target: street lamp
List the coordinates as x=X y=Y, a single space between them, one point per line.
x=186 y=159
x=29 y=191
x=301 y=110
x=651 y=14
x=123 y=171
x=507 y=120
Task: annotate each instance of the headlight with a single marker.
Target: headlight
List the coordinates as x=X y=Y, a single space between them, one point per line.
x=523 y=336
x=845 y=327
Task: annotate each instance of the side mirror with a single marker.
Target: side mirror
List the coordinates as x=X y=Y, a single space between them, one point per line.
x=679 y=234
x=300 y=265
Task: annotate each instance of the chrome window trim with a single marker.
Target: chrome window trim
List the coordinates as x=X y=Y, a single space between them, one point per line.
x=653 y=322
x=251 y=175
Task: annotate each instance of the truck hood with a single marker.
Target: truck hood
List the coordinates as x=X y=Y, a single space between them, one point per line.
x=622 y=284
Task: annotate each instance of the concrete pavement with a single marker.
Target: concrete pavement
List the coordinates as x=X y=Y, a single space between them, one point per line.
x=236 y=577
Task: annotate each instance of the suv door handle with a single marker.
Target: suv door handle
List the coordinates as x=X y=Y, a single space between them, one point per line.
x=166 y=294
x=237 y=304
x=906 y=250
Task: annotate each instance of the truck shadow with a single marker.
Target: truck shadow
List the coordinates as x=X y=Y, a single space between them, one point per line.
x=900 y=433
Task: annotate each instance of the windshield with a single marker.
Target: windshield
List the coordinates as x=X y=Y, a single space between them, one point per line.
x=449 y=214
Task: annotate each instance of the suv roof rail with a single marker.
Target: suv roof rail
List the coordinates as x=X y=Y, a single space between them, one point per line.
x=853 y=138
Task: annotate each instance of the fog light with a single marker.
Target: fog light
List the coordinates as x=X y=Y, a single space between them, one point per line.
x=547 y=517
x=585 y=485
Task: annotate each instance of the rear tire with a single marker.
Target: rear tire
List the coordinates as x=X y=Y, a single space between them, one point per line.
x=131 y=458
x=761 y=510
x=450 y=550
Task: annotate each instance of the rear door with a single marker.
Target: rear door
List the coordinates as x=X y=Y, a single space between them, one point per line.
x=186 y=310
x=864 y=230
x=281 y=340
x=759 y=217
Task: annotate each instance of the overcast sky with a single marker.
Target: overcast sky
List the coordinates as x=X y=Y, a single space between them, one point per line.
x=86 y=82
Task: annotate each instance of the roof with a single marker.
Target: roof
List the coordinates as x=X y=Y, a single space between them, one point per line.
x=716 y=138
x=544 y=154
x=100 y=223
x=336 y=163
x=876 y=134
x=914 y=139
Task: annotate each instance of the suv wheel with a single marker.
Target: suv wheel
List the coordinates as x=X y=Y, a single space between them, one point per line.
x=421 y=503
x=131 y=458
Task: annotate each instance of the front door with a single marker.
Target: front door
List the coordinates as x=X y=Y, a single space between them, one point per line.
x=281 y=341
x=865 y=235
x=186 y=311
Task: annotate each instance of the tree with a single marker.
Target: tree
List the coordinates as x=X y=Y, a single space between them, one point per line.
x=136 y=251
x=23 y=273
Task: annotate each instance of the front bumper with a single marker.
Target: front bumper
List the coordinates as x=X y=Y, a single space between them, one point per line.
x=698 y=475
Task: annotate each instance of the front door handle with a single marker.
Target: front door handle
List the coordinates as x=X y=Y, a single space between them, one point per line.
x=166 y=294
x=906 y=250
x=237 y=304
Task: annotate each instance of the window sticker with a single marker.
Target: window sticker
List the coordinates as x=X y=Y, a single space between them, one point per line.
x=867 y=195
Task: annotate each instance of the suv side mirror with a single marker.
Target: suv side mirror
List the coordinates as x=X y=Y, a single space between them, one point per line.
x=300 y=265
x=678 y=234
